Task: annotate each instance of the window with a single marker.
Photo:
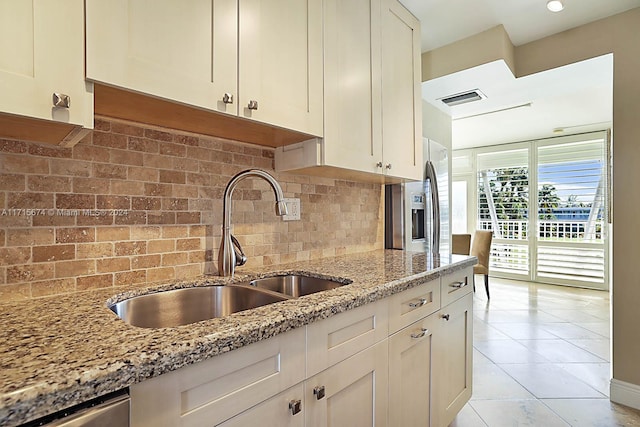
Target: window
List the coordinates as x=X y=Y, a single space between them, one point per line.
x=558 y=232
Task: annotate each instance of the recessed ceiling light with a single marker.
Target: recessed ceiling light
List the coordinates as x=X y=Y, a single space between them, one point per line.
x=555 y=5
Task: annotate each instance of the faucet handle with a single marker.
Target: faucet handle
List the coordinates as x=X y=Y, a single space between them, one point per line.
x=241 y=258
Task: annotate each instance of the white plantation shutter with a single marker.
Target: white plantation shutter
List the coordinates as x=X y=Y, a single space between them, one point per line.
x=572 y=225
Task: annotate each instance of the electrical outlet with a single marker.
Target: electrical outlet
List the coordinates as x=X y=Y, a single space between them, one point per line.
x=293 y=207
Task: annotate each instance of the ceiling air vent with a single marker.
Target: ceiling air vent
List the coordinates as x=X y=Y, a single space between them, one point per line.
x=463 y=98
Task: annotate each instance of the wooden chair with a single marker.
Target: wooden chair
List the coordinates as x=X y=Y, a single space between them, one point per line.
x=481 y=249
x=460 y=244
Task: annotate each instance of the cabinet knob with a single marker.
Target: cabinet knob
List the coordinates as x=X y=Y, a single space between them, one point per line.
x=295 y=406
x=379 y=164
x=388 y=166
x=318 y=391
x=422 y=333
x=227 y=98
x=419 y=303
x=445 y=317
x=253 y=105
x=61 y=100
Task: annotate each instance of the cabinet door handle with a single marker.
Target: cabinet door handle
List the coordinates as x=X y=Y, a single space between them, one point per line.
x=253 y=105
x=61 y=100
x=295 y=406
x=318 y=391
x=419 y=303
x=379 y=164
x=445 y=317
x=227 y=98
x=422 y=333
x=458 y=284
x=388 y=166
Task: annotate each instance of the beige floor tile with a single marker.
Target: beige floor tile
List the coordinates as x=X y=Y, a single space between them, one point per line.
x=484 y=332
x=549 y=381
x=480 y=359
x=597 y=375
x=560 y=351
x=599 y=347
x=491 y=382
x=524 y=331
x=508 y=351
x=600 y=328
x=594 y=413
x=468 y=417
x=570 y=330
x=521 y=413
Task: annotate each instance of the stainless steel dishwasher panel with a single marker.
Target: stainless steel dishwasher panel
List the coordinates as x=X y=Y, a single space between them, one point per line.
x=113 y=412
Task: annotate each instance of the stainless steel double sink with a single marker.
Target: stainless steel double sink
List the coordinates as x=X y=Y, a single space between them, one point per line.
x=189 y=305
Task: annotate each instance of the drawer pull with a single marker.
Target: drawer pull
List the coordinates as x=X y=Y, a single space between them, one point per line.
x=458 y=284
x=422 y=333
x=419 y=303
x=253 y=104
x=445 y=317
x=227 y=98
x=318 y=391
x=295 y=406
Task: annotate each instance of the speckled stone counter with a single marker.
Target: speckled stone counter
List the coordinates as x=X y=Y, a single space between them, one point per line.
x=60 y=351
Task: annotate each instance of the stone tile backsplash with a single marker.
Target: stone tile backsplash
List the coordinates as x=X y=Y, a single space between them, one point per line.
x=138 y=204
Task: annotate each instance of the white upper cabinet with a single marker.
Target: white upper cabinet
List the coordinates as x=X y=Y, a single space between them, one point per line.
x=214 y=54
x=372 y=97
x=281 y=63
x=401 y=93
x=352 y=135
x=42 y=53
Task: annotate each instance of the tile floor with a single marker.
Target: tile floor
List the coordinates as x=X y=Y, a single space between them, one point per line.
x=541 y=358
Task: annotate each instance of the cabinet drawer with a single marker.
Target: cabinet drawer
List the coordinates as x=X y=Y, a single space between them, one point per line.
x=217 y=389
x=413 y=304
x=456 y=285
x=332 y=340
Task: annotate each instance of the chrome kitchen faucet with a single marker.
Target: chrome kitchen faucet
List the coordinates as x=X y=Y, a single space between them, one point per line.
x=231 y=254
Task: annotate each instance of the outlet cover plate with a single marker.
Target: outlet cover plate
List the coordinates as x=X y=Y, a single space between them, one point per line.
x=293 y=207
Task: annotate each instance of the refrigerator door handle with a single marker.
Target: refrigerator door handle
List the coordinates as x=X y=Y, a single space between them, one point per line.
x=430 y=177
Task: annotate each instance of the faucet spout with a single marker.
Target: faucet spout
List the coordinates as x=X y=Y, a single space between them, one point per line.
x=227 y=259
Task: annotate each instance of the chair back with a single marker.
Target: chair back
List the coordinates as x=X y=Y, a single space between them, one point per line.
x=481 y=247
x=460 y=244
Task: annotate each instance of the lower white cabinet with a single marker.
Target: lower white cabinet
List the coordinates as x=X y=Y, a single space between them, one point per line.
x=453 y=357
x=342 y=371
x=411 y=369
x=352 y=392
x=283 y=410
x=215 y=390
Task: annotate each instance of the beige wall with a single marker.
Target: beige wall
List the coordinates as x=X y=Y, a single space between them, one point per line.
x=138 y=204
x=618 y=34
x=485 y=47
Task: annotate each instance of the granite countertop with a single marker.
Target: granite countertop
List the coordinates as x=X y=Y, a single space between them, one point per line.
x=60 y=351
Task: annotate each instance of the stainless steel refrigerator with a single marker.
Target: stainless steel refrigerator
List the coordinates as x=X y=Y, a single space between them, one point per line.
x=417 y=213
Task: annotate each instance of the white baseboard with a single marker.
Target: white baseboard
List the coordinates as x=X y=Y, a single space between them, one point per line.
x=625 y=393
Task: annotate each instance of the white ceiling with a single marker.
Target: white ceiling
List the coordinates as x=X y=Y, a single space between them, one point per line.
x=447 y=21
x=576 y=98
x=572 y=99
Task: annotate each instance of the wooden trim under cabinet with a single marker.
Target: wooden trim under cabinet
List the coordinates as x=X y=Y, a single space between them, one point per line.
x=137 y=107
x=38 y=130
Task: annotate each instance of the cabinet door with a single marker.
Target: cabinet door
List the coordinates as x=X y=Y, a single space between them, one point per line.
x=42 y=52
x=401 y=93
x=217 y=389
x=353 y=392
x=352 y=133
x=454 y=351
x=280 y=63
x=410 y=373
x=182 y=51
x=277 y=411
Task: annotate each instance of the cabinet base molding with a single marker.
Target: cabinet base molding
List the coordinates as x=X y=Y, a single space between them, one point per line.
x=625 y=393
x=123 y=104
